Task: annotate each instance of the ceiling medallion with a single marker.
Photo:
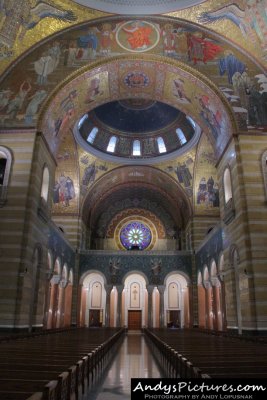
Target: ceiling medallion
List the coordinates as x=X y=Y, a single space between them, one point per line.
x=135 y=80
x=137 y=36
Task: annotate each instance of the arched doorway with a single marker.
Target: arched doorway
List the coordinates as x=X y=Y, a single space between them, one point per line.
x=134 y=302
x=93 y=300
x=176 y=301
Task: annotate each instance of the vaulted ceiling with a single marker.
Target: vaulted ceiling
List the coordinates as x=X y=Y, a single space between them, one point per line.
x=205 y=61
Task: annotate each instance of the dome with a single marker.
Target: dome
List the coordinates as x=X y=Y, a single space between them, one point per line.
x=135 y=129
x=135 y=7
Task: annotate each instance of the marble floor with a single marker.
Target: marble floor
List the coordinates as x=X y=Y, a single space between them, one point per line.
x=133 y=360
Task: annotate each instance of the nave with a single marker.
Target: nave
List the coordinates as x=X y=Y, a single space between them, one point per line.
x=133 y=360
x=98 y=363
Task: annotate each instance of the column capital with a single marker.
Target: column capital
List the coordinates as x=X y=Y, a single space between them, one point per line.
x=119 y=288
x=150 y=288
x=108 y=288
x=161 y=288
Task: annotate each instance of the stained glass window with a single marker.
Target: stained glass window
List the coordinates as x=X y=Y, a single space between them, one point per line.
x=135 y=235
x=181 y=136
x=136 y=148
x=161 y=145
x=112 y=144
x=92 y=135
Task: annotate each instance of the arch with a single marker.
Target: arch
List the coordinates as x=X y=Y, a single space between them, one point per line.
x=45 y=184
x=90 y=271
x=234 y=257
x=57 y=267
x=5 y=169
x=173 y=298
x=182 y=273
x=114 y=220
x=168 y=67
x=92 y=299
x=135 y=271
x=206 y=275
x=209 y=303
x=213 y=269
x=5 y=166
x=199 y=278
x=64 y=275
x=71 y=277
x=227 y=185
x=49 y=261
x=134 y=300
x=147 y=177
x=221 y=263
x=176 y=300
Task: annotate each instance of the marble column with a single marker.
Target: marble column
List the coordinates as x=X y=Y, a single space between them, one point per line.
x=118 y=320
x=107 y=312
x=161 y=290
x=150 y=289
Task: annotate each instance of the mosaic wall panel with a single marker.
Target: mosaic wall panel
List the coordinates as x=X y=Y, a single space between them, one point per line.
x=231 y=70
x=182 y=170
x=206 y=190
x=143 y=263
x=26 y=22
x=210 y=251
x=59 y=247
x=117 y=208
x=66 y=190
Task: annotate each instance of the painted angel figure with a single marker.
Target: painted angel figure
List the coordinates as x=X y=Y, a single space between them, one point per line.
x=252 y=20
x=114 y=266
x=156 y=267
x=22 y=15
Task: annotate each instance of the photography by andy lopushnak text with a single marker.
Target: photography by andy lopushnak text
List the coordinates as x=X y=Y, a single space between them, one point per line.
x=195 y=389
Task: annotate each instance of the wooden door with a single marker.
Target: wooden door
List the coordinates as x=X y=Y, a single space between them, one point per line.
x=175 y=319
x=95 y=319
x=135 y=319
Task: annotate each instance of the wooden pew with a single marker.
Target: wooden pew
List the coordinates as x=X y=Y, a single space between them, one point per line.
x=30 y=364
x=192 y=354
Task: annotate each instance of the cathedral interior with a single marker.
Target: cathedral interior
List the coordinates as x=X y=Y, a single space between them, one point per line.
x=133 y=165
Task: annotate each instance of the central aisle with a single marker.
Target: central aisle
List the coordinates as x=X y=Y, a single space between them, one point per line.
x=133 y=360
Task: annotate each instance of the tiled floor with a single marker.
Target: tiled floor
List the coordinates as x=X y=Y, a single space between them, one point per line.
x=134 y=360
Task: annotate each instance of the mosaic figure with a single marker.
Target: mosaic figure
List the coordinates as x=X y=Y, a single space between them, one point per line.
x=200 y=48
x=22 y=15
x=252 y=20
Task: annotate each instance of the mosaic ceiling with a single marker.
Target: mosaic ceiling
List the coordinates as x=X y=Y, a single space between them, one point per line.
x=67 y=61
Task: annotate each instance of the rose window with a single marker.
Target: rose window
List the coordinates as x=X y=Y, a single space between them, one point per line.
x=135 y=236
